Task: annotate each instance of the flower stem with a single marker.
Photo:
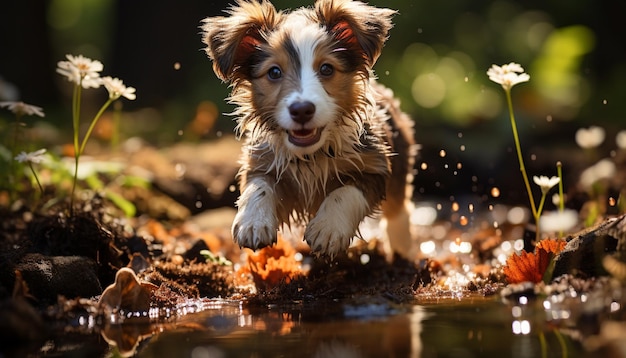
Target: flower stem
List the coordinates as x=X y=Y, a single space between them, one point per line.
x=520 y=158
x=32 y=169
x=13 y=170
x=76 y=124
x=93 y=125
x=115 y=136
x=559 y=171
x=76 y=114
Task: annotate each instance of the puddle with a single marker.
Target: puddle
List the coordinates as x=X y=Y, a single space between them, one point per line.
x=470 y=327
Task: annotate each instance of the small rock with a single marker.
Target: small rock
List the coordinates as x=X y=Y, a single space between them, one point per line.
x=51 y=276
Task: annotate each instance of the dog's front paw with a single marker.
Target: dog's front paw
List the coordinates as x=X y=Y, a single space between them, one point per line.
x=254 y=229
x=255 y=225
x=337 y=220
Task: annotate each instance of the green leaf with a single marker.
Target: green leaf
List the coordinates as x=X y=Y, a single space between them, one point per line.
x=126 y=206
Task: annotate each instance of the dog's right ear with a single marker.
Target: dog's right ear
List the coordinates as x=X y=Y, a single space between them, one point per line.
x=233 y=41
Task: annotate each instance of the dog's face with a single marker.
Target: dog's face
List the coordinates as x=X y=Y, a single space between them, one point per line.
x=299 y=78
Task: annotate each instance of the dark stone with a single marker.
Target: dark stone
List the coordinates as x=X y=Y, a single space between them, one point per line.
x=584 y=252
x=50 y=276
x=22 y=331
x=194 y=252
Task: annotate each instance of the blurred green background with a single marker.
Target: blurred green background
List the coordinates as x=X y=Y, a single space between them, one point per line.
x=435 y=61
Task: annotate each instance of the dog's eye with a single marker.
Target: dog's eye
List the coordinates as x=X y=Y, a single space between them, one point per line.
x=274 y=73
x=326 y=70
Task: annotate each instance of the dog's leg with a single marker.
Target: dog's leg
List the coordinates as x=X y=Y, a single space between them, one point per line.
x=337 y=220
x=397 y=229
x=256 y=224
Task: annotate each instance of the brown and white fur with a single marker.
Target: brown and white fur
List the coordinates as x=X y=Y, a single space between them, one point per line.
x=325 y=145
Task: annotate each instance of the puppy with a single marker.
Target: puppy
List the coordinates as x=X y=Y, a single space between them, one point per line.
x=325 y=145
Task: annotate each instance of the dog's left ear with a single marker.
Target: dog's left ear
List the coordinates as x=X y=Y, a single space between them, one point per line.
x=356 y=25
x=234 y=41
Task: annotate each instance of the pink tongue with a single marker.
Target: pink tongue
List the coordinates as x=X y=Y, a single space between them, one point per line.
x=304 y=137
x=302 y=132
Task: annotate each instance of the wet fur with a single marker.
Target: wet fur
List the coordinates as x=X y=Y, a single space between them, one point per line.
x=363 y=160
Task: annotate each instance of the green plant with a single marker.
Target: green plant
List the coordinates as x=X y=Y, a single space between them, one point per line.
x=85 y=73
x=508 y=76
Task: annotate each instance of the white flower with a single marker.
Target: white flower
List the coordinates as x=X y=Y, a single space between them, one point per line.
x=507 y=75
x=116 y=88
x=590 y=137
x=546 y=183
x=557 y=221
x=556 y=199
x=601 y=170
x=620 y=139
x=32 y=157
x=21 y=108
x=81 y=70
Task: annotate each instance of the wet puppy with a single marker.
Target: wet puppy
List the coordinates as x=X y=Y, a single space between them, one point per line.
x=325 y=145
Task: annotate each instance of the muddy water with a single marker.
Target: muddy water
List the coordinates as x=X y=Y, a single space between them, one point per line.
x=470 y=327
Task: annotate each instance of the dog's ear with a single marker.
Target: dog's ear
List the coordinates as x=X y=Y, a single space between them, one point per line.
x=232 y=41
x=356 y=25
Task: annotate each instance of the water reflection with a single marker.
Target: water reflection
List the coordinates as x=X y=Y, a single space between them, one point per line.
x=375 y=328
x=331 y=329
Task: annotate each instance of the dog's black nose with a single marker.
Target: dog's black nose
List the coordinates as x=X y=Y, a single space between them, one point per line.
x=302 y=112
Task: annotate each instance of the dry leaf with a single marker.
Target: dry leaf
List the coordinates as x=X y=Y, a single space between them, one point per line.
x=274 y=264
x=530 y=267
x=127 y=292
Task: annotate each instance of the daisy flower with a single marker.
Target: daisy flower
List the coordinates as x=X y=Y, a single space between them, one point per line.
x=21 y=108
x=117 y=89
x=546 y=183
x=620 y=139
x=507 y=75
x=590 y=137
x=81 y=70
x=559 y=221
x=32 y=157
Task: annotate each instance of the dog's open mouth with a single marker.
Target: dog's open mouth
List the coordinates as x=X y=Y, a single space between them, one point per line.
x=304 y=137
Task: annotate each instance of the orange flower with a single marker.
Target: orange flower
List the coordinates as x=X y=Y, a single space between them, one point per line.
x=274 y=264
x=532 y=266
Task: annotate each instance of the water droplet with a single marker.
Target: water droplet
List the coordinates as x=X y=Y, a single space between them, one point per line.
x=549 y=118
x=180 y=132
x=439 y=206
x=463 y=220
x=198 y=204
x=442 y=153
x=455 y=206
x=232 y=188
x=445 y=166
x=459 y=165
x=466 y=79
x=424 y=166
x=471 y=208
x=180 y=169
x=177 y=66
x=495 y=192
x=605 y=101
x=533 y=157
x=462 y=147
x=460 y=134
x=612 y=201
